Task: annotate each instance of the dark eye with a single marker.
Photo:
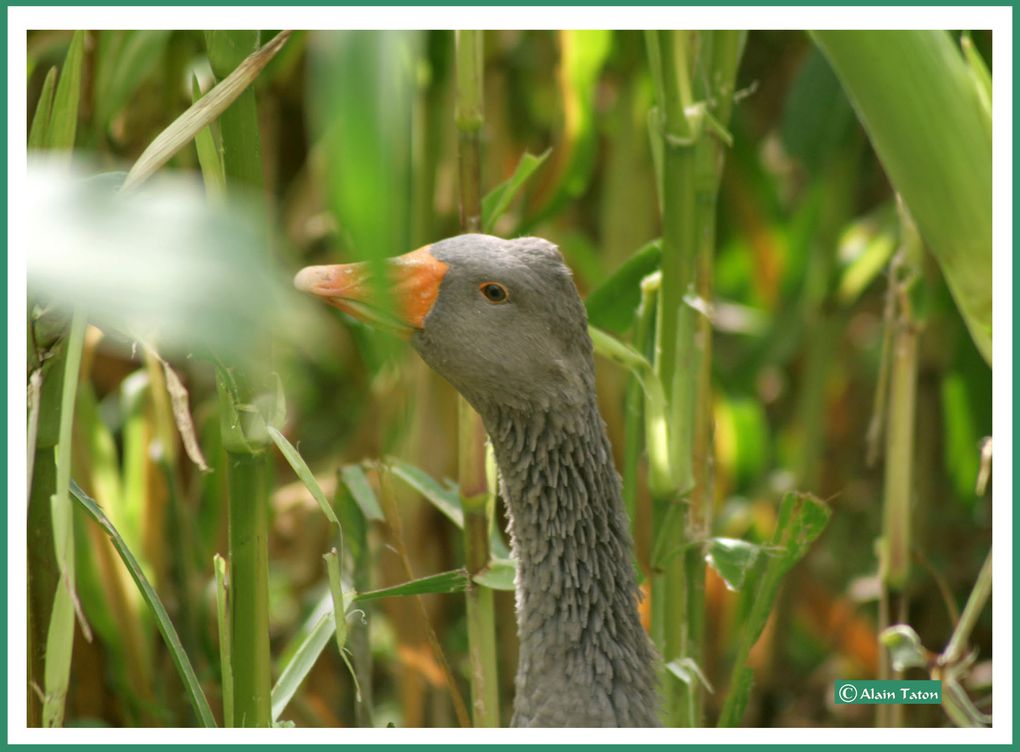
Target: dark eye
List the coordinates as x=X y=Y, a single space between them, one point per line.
x=494 y=292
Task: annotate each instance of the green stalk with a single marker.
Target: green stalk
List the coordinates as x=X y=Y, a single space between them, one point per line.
x=894 y=561
x=670 y=55
x=471 y=459
x=719 y=58
x=247 y=460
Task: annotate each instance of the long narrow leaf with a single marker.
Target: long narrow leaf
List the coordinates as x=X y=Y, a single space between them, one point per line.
x=38 y=134
x=302 y=661
x=166 y=628
x=454 y=581
x=202 y=113
x=445 y=499
x=500 y=197
x=64 y=118
x=60 y=635
x=301 y=469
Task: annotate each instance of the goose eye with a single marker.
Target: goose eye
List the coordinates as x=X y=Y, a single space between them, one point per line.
x=494 y=292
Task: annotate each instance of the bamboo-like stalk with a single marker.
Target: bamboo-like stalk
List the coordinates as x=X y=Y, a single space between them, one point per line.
x=894 y=561
x=471 y=434
x=669 y=52
x=719 y=58
x=692 y=136
x=247 y=460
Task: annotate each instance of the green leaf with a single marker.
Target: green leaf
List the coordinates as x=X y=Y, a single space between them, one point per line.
x=865 y=247
x=38 y=134
x=733 y=559
x=64 y=119
x=340 y=604
x=612 y=304
x=357 y=483
x=454 y=581
x=802 y=518
x=933 y=135
x=163 y=623
x=209 y=158
x=905 y=648
x=301 y=663
x=297 y=462
x=60 y=633
x=500 y=197
x=123 y=61
x=499 y=574
x=444 y=498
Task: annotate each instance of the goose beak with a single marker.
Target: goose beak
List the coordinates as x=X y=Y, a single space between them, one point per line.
x=414 y=286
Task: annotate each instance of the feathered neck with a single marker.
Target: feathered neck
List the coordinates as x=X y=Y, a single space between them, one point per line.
x=584 y=658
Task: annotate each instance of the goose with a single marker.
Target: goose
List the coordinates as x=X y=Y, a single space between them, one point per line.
x=502 y=321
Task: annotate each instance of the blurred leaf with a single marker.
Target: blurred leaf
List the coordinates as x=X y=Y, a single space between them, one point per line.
x=124 y=59
x=444 y=498
x=865 y=247
x=499 y=574
x=454 y=581
x=904 y=646
x=64 y=119
x=742 y=438
x=297 y=462
x=934 y=139
x=817 y=118
x=960 y=437
x=979 y=71
x=362 y=85
x=39 y=132
x=733 y=559
x=689 y=672
x=166 y=628
x=357 y=483
x=612 y=304
x=582 y=56
x=500 y=197
x=159 y=264
x=197 y=117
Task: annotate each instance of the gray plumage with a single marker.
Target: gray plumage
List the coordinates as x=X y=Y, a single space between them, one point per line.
x=526 y=366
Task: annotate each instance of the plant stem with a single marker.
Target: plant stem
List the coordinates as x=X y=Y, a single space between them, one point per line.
x=691 y=170
x=894 y=562
x=979 y=596
x=247 y=462
x=471 y=463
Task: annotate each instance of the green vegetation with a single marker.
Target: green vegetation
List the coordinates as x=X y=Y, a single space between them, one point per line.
x=239 y=511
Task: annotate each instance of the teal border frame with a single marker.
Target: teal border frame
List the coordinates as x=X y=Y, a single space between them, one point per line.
x=460 y=3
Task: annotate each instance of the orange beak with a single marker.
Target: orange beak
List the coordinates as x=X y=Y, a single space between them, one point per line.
x=415 y=279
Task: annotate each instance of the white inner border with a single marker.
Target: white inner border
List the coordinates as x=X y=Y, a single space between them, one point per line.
x=999 y=19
